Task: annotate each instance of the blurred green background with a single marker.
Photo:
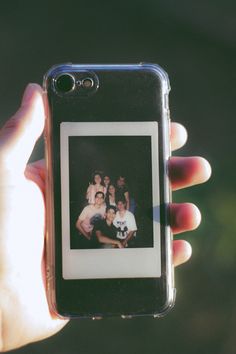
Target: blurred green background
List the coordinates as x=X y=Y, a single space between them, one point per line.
x=195 y=42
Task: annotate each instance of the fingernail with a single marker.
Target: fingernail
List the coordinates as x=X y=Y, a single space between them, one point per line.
x=29 y=90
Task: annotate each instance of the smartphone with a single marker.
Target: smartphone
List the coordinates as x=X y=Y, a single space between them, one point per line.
x=109 y=244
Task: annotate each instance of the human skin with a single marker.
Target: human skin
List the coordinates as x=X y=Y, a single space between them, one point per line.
x=111 y=196
x=96 y=183
x=99 y=200
x=121 y=183
x=122 y=209
x=24 y=313
x=112 y=190
x=106 y=180
x=97 y=179
x=109 y=216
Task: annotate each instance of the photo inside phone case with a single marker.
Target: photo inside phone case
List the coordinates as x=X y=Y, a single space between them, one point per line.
x=110 y=187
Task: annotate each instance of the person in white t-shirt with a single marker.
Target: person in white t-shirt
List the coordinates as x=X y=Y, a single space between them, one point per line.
x=125 y=223
x=90 y=214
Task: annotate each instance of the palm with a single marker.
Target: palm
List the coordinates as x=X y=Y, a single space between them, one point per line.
x=22 y=258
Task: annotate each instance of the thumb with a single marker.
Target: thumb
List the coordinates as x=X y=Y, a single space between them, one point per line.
x=20 y=133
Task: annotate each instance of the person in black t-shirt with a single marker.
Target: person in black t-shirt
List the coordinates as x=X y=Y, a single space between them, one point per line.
x=110 y=198
x=104 y=231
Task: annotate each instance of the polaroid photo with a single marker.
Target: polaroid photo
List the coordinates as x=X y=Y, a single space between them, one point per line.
x=110 y=200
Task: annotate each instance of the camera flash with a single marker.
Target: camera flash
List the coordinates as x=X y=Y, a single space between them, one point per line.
x=87 y=83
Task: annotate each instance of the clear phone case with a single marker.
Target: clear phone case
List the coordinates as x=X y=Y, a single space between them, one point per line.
x=108 y=121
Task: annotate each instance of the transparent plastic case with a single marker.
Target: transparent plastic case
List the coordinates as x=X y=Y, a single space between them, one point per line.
x=109 y=245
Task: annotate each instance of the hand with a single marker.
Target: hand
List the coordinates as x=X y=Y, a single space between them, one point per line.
x=184 y=172
x=87 y=235
x=124 y=243
x=25 y=316
x=119 y=244
x=78 y=224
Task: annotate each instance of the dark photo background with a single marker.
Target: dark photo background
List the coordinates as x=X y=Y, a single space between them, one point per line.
x=128 y=156
x=195 y=42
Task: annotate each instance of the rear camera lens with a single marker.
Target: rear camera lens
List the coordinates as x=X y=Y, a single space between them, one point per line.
x=65 y=83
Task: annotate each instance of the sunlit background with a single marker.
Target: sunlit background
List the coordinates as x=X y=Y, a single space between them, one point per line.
x=195 y=42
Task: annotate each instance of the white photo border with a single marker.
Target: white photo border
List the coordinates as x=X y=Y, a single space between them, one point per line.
x=109 y=263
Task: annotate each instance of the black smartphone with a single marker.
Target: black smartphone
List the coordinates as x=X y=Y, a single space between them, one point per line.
x=109 y=245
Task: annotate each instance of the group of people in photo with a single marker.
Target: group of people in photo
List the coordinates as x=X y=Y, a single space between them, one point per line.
x=106 y=220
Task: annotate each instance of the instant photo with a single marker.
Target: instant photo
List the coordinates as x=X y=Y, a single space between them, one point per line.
x=110 y=200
